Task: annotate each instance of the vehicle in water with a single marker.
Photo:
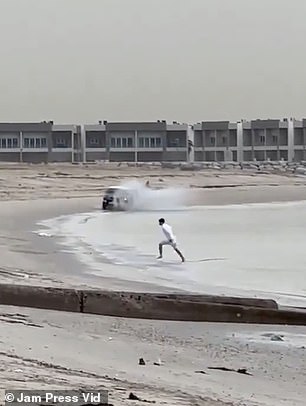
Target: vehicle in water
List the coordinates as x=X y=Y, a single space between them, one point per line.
x=118 y=198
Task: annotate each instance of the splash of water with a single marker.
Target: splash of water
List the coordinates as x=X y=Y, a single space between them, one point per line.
x=146 y=198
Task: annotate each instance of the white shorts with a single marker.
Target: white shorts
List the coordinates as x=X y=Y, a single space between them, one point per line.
x=167 y=242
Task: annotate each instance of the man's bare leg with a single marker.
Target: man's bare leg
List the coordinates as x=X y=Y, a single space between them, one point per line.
x=160 y=248
x=179 y=254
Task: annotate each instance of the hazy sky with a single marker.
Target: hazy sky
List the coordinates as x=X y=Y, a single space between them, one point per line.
x=78 y=61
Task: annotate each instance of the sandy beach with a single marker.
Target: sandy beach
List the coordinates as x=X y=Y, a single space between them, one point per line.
x=57 y=350
x=44 y=349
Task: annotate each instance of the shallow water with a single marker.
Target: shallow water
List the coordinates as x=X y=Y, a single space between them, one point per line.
x=260 y=247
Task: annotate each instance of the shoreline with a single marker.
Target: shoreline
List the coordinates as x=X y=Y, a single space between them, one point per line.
x=23 y=250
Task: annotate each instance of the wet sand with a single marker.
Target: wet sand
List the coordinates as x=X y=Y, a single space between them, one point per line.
x=278 y=368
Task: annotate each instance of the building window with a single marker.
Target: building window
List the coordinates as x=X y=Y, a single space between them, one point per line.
x=34 y=143
x=9 y=143
x=61 y=142
x=149 y=142
x=212 y=140
x=262 y=139
x=274 y=139
x=62 y=139
x=224 y=140
x=121 y=142
x=93 y=141
x=173 y=143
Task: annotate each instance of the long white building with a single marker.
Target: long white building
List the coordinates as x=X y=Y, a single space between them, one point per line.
x=207 y=141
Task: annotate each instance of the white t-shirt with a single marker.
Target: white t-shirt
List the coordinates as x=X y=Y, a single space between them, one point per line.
x=167 y=230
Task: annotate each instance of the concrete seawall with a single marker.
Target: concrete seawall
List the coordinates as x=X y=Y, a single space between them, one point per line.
x=246 y=301
x=182 y=307
x=40 y=297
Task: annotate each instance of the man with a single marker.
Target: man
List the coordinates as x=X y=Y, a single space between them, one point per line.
x=170 y=240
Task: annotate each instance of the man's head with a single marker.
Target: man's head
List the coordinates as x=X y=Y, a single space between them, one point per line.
x=161 y=221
